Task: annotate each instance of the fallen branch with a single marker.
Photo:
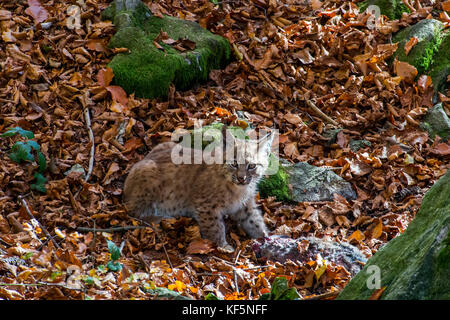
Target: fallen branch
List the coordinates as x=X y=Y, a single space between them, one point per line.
x=40 y=284
x=91 y=138
x=113 y=229
x=27 y=209
x=320 y=113
x=324 y=295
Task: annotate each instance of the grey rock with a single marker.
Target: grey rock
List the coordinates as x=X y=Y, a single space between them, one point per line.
x=310 y=183
x=436 y=122
x=281 y=248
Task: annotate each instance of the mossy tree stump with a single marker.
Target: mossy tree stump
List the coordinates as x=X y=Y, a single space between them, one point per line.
x=148 y=70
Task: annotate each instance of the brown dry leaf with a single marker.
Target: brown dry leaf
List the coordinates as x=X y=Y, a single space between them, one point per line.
x=105 y=76
x=118 y=94
x=376 y=294
x=5 y=15
x=316 y=4
x=267 y=60
x=200 y=246
x=291 y=150
x=113 y=168
x=375 y=230
x=36 y=10
x=405 y=70
x=424 y=82
x=293 y=118
x=96 y=45
x=410 y=44
x=442 y=149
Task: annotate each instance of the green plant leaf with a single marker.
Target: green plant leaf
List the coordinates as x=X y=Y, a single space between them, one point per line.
x=21 y=151
x=34 y=145
x=265 y=296
x=281 y=291
x=211 y=296
x=40 y=183
x=114 y=265
x=166 y=293
x=113 y=250
x=41 y=161
x=18 y=130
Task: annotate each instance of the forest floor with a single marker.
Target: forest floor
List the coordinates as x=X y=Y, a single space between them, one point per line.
x=286 y=53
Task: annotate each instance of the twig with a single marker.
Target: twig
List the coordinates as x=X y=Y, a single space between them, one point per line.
x=113 y=229
x=235 y=281
x=27 y=209
x=39 y=284
x=91 y=138
x=320 y=113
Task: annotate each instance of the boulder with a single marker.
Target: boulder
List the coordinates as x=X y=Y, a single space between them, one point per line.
x=429 y=34
x=393 y=9
x=436 y=122
x=440 y=68
x=416 y=264
x=303 y=182
x=281 y=248
x=161 y=50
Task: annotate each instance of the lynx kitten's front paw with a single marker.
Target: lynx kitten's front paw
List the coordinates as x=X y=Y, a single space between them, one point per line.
x=226 y=248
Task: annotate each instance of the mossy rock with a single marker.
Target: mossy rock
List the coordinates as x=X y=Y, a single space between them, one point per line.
x=436 y=122
x=429 y=34
x=303 y=182
x=440 y=68
x=416 y=264
x=149 y=71
x=393 y=9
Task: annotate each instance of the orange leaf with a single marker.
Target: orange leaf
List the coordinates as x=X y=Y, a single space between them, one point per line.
x=118 y=94
x=410 y=44
x=446 y=6
x=358 y=235
x=264 y=290
x=376 y=294
x=105 y=76
x=222 y=112
x=35 y=10
x=377 y=230
x=178 y=286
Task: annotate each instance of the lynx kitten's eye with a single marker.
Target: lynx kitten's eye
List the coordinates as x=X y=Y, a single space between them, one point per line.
x=251 y=166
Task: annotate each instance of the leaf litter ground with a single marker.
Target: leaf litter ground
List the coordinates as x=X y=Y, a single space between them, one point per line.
x=287 y=55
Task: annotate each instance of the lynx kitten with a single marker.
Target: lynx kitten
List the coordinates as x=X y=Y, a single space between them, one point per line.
x=158 y=188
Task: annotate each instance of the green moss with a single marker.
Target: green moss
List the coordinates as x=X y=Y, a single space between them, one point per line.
x=440 y=68
x=436 y=122
x=276 y=185
x=429 y=33
x=149 y=71
x=393 y=9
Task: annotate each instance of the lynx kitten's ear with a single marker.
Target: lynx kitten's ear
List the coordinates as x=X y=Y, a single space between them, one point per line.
x=265 y=143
